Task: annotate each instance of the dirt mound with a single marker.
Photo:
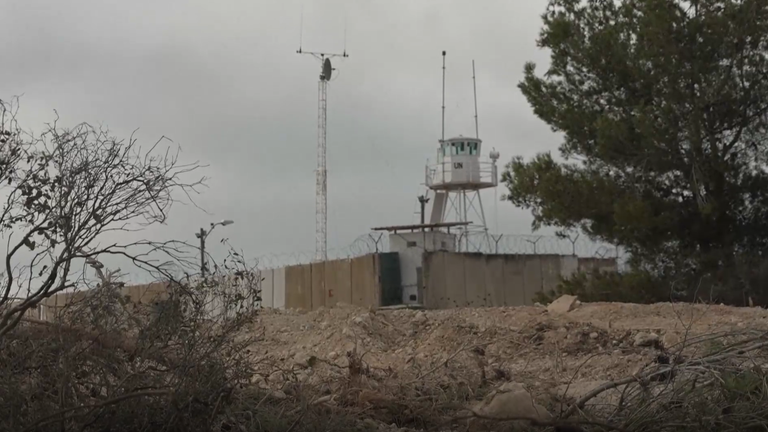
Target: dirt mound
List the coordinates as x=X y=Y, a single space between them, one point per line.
x=391 y=359
x=525 y=344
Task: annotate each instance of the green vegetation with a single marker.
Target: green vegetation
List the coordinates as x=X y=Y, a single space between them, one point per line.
x=663 y=106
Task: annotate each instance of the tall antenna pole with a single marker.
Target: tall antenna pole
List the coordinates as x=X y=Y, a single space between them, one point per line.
x=474 y=88
x=321 y=175
x=442 y=136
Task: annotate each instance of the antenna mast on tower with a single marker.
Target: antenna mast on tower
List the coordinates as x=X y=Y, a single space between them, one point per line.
x=457 y=179
x=321 y=175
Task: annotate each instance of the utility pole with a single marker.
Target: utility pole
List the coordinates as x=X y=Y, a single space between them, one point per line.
x=202 y=235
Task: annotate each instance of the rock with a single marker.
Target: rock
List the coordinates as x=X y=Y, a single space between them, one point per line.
x=670 y=339
x=276 y=377
x=342 y=362
x=279 y=394
x=593 y=335
x=643 y=339
x=333 y=355
x=304 y=360
x=564 y=304
x=372 y=397
x=509 y=401
x=420 y=318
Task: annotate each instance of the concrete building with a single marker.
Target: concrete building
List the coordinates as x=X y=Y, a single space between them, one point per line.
x=410 y=242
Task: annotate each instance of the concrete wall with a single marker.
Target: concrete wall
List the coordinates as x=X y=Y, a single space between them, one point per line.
x=474 y=280
x=601 y=264
x=278 y=288
x=338 y=282
x=138 y=294
x=268 y=288
x=312 y=286
x=365 y=281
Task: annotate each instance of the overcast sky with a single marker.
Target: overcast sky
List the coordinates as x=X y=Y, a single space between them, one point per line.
x=223 y=80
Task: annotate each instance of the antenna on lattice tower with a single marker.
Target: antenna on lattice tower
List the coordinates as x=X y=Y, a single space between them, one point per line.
x=321 y=175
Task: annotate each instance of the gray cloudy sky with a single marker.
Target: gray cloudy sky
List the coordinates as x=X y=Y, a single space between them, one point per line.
x=222 y=79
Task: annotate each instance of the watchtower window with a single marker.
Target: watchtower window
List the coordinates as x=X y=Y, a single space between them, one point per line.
x=473 y=148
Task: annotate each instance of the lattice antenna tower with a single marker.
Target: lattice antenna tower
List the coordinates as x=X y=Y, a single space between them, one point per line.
x=321 y=175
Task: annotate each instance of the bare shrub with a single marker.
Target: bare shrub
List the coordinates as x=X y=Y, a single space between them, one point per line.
x=102 y=361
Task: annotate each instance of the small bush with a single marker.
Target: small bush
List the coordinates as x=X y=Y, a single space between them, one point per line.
x=635 y=286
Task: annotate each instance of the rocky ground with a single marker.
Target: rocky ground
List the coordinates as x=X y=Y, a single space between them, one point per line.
x=467 y=353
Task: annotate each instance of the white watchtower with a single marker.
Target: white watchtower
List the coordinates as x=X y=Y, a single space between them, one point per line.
x=457 y=179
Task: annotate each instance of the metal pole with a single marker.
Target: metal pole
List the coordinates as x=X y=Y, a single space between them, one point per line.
x=202 y=252
x=423 y=202
x=474 y=88
x=442 y=135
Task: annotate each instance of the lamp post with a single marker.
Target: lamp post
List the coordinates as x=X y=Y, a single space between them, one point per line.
x=202 y=235
x=423 y=200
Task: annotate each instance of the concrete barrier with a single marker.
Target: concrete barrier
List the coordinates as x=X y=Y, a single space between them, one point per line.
x=278 y=288
x=455 y=284
x=311 y=286
x=338 y=282
x=267 y=288
x=364 y=281
x=474 y=279
x=568 y=266
x=495 y=284
x=601 y=264
x=435 y=294
x=460 y=279
x=515 y=279
x=551 y=270
x=298 y=287
x=318 y=285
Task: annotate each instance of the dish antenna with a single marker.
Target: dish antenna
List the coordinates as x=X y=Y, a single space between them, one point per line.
x=327 y=70
x=321 y=175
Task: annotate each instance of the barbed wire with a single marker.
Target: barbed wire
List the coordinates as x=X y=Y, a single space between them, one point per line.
x=508 y=244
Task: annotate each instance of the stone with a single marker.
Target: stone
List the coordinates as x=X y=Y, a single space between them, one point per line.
x=333 y=355
x=420 y=318
x=643 y=339
x=303 y=360
x=563 y=304
x=511 y=400
x=670 y=339
x=279 y=394
x=593 y=335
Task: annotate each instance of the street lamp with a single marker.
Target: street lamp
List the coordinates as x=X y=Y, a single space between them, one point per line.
x=202 y=235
